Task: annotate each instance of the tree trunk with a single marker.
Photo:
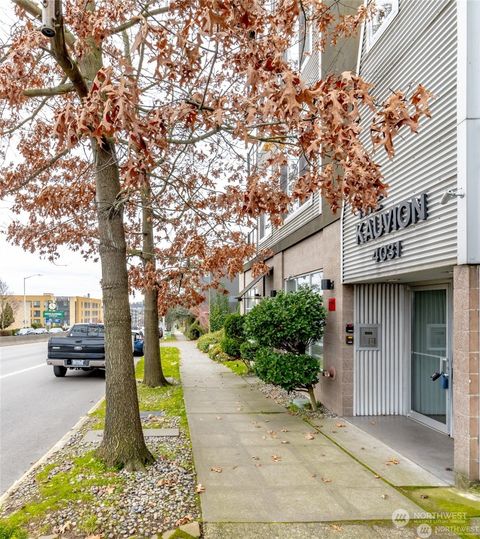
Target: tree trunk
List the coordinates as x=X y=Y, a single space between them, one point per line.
x=123 y=442
x=153 y=374
x=313 y=400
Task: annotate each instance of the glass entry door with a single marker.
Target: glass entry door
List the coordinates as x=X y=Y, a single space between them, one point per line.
x=430 y=363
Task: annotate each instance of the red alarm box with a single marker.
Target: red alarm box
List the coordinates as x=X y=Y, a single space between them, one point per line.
x=332 y=304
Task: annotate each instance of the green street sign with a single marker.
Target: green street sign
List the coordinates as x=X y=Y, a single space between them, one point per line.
x=53 y=314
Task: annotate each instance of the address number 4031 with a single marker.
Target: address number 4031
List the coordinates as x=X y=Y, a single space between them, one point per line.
x=388 y=252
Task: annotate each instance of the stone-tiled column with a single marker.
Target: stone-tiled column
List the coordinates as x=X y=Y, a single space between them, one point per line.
x=466 y=370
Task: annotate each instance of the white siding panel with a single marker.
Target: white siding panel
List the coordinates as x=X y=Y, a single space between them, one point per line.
x=379 y=384
x=304 y=214
x=418 y=47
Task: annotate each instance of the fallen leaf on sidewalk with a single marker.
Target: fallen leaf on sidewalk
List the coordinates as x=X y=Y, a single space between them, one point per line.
x=216 y=469
x=325 y=480
x=272 y=433
x=200 y=488
x=184 y=520
x=218 y=417
x=285 y=442
x=284 y=429
x=384 y=496
x=340 y=425
x=376 y=476
x=276 y=458
x=336 y=527
x=256 y=458
x=391 y=461
x=310 y=436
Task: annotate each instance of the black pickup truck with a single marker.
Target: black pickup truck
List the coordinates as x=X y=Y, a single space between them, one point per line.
x=82 y=348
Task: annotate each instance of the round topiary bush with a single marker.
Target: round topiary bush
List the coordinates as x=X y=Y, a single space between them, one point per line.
x=287 y=370
x=290 y=321
x=234 y=326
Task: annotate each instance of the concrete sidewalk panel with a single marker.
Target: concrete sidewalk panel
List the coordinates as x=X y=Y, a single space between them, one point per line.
x=261 y=479
x=381 y=458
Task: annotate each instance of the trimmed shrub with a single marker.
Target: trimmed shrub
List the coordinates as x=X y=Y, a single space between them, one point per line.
x=248 y=350
x=234 y=326
x=217 y=354
x=289 y=321
x=231 y=346
x=7 y=333
x=209 y=339
x=287 y=370
x=194 y=331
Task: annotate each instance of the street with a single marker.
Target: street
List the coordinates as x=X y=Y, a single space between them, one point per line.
x=36 y=408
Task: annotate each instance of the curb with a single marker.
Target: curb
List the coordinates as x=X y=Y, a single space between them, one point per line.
x=59 y=445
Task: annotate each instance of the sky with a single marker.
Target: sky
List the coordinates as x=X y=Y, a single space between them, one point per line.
x=71 y=275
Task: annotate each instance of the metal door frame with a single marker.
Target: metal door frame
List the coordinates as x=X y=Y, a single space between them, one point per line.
x=446 y=428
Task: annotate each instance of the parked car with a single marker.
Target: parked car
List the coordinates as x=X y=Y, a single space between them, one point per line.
x=137 y=338
x=56 y=330
x=25 y=331
x=40 y=331
x=83 y=348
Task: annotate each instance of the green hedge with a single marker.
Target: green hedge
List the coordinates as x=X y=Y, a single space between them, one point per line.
x=209 y=339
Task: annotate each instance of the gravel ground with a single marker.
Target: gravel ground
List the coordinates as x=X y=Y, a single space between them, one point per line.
x=146 y=504
x=284 y=398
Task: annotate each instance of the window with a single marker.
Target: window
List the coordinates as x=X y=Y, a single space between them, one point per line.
x=294 y=169
x=311 y=280
x=36 y=314
x=86 y=331
x=265 y=226
x=386 y=10
x=36 y=304
x=251 y=298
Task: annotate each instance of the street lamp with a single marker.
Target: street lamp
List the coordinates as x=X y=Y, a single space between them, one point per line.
x=25 y=297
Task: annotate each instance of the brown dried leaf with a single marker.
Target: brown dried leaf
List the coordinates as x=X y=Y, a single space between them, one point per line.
x=276 y=458
x=200 y=488
x=217 y=469
x=310 y=436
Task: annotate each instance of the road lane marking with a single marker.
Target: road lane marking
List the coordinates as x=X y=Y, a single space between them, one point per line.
x=22 y=370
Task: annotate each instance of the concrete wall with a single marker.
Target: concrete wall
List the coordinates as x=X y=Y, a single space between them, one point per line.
x=466 y=372
x=321 y=252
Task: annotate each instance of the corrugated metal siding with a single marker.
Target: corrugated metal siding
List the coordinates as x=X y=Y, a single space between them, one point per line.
x=379 y=375
x=308 y=211
x=418 y=47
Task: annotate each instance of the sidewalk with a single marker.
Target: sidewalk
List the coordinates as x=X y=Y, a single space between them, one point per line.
x=258 y=463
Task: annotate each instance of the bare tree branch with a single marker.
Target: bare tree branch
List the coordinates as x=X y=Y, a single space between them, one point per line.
x=48 y=92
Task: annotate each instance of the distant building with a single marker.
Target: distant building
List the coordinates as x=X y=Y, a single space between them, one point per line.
x=49 y=310
x=137 y=311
